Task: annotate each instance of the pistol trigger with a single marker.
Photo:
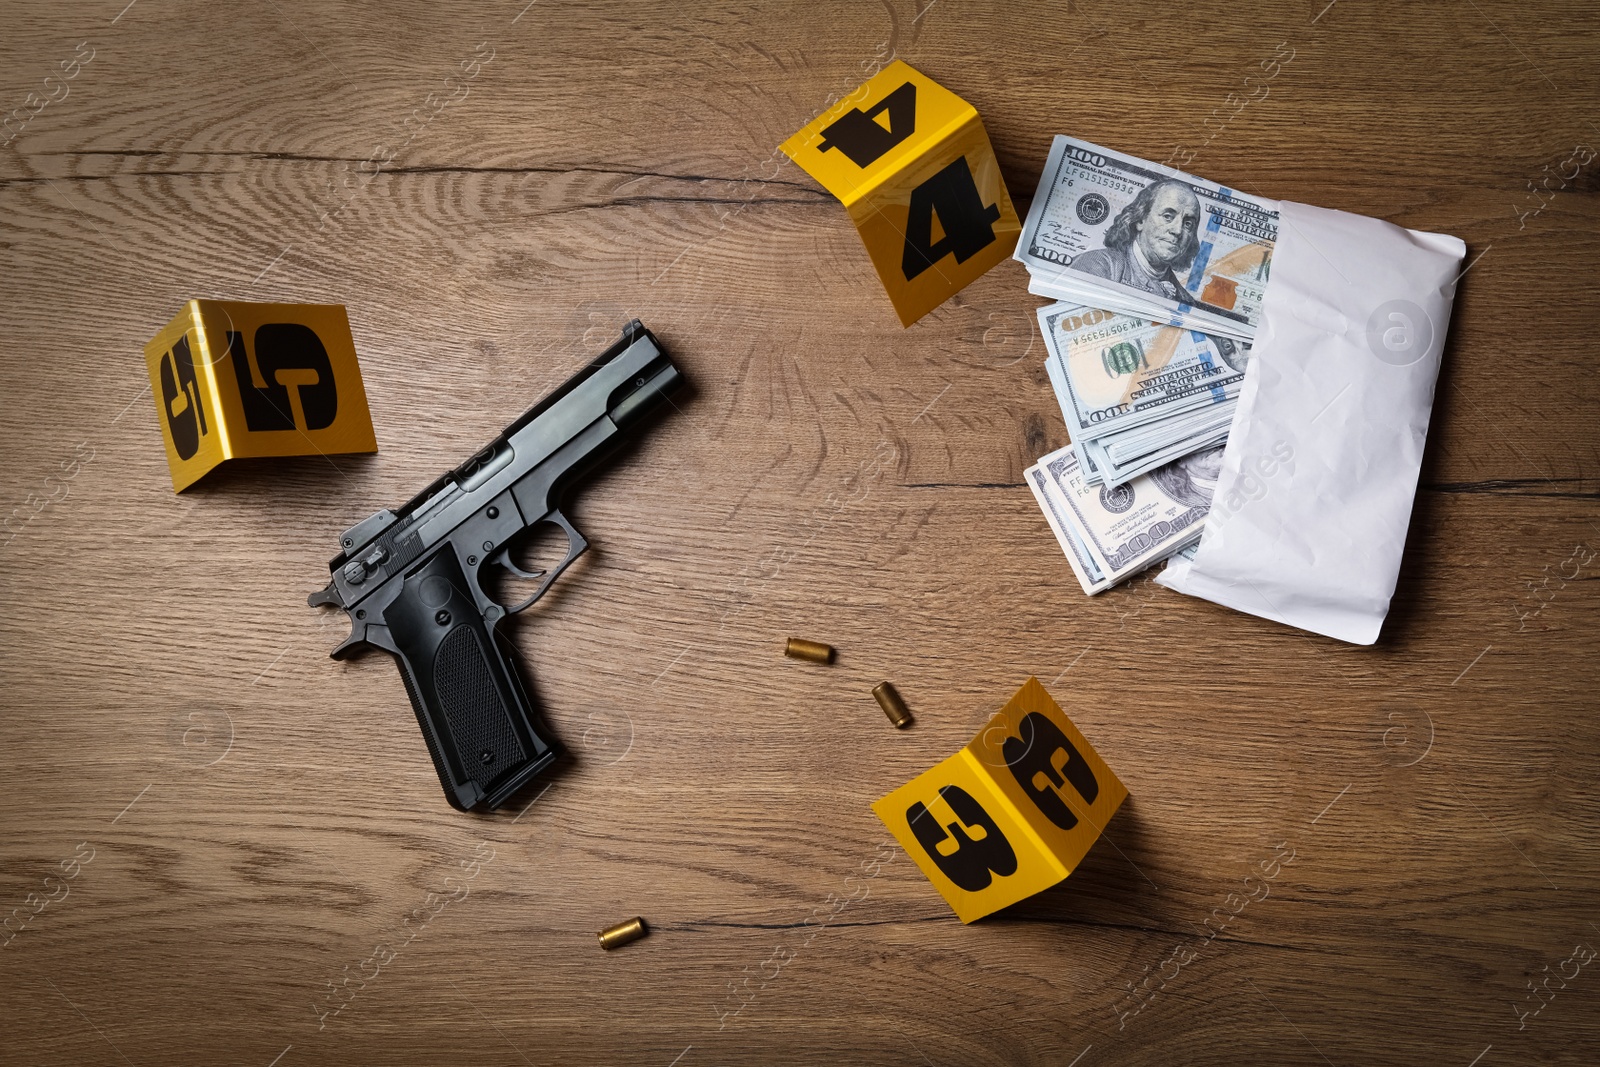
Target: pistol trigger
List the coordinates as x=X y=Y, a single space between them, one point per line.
x=502 y=558
x=577 y=544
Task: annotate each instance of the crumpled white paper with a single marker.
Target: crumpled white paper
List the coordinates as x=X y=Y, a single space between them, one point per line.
x=1310 y=513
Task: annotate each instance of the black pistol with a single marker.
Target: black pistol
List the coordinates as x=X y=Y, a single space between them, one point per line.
x=410 y=578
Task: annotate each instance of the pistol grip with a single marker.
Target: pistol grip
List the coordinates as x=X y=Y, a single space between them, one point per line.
x=462 y=680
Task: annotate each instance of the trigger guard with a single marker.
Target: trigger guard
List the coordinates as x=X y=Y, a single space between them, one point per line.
x=577 y=545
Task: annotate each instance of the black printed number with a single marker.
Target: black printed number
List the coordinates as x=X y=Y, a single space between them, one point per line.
x=287 y=383
x=980 y=849
x=859 y=134
x=180 y=398
x=968 y=224
x=1043 y=761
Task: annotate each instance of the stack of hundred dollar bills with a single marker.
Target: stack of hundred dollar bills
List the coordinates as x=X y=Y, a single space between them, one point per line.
x=1159 y=277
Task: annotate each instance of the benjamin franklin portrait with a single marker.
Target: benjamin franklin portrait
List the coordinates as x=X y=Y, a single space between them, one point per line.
x=1192 y=479
x=1236 y=354
x=1149 y=241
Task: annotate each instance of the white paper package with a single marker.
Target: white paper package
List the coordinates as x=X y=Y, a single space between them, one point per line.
x=1310 y=513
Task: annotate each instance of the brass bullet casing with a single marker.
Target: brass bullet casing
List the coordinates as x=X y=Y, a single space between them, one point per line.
x=892 y=705
x=815 y=651
x=622 y=933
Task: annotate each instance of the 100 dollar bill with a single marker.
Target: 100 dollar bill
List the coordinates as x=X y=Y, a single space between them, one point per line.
x=1116 y=231
x=1122 y=371
x=1125 y=528
x=1084 y=568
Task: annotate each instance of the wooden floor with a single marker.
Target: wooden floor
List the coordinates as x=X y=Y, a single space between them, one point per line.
x=213 y=826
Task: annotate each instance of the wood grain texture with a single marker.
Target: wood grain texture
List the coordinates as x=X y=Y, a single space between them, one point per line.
x=619 y=160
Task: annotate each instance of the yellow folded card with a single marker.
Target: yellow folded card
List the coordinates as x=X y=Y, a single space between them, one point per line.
x=913 y=166
x=1012 y=813
x=234 y=380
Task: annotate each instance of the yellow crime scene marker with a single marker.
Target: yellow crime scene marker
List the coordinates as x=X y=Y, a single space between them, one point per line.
x=913 y=166
x=1012 y=813
x=235 y=380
